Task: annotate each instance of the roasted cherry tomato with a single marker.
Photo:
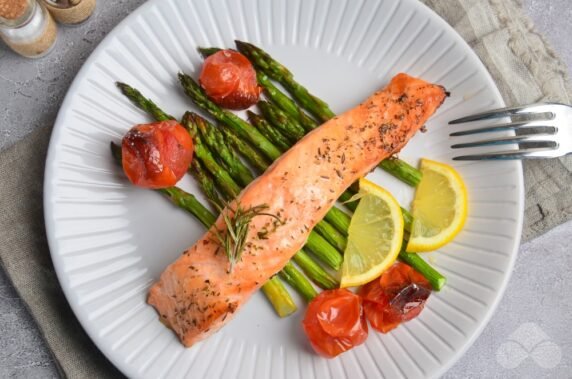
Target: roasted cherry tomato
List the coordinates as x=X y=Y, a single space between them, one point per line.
x=376 y=309
x=156 y=155
x=399 y=295
x=229 y=80
x=334 y=322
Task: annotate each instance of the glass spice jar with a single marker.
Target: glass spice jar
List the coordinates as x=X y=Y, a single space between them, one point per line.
x=70 y=12
x=27 y=27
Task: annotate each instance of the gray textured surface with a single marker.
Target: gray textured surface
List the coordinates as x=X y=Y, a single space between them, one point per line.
x=537 y=298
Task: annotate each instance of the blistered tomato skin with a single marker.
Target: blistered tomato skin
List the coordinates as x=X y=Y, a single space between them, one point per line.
x=334 y=322
x=156 y=155
x=229 y=80
x=219 y=79
x=376 y=307
x=399 y=295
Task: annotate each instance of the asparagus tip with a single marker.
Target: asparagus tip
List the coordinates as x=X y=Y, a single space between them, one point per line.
x=203 y=51
x=241 y=45
x=195 y=117
x=123 y=87
x=188 y=116
x=198 y=120
x=263 y=105
x=207 y=51
x=188 y=82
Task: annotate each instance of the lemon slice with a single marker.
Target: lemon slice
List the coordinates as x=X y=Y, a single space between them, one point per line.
x=374 y=236
x=439 y=208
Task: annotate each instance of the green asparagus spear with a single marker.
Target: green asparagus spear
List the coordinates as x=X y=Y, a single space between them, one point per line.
x=143 y=103
x=278 y=72
x=273 y=289
x=324 y=250
x=279 y=297
x=407 y=219
x=292 y=276
x=414 y=260
x=190 y=203
x=241 y=127
x=208 y=51
x=433 y=276
x=205 y=183
x=222 y=177
x=256 y=160
x=287 y=126
x=402 y=171
x=217 y=144
x=314 y=271
x=268 y=130
x=278 y=98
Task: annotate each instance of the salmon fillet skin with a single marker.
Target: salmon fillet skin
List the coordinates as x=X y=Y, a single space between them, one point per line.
x=196 y=295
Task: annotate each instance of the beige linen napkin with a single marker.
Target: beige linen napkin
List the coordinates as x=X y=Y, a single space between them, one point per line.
x=26 y=259
x=524 y=67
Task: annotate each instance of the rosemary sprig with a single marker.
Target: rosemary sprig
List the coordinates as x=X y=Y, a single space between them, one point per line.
x=237 y=221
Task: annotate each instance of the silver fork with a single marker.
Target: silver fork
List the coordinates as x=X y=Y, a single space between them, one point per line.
x=542 y=131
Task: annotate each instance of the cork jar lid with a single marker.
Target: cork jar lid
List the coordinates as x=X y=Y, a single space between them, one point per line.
x=13 y=9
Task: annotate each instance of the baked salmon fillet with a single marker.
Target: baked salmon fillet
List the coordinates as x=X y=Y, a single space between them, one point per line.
x=196 y=295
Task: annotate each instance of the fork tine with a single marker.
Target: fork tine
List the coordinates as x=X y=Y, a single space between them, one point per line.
x=507 y=126
x=504 y=112
x=537 y=138
x=510 y=154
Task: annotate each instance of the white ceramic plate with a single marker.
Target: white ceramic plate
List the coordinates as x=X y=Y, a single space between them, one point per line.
x=110 y=240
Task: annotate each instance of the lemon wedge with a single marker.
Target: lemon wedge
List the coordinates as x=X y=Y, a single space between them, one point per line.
x=439 y=207
x=374 y=236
